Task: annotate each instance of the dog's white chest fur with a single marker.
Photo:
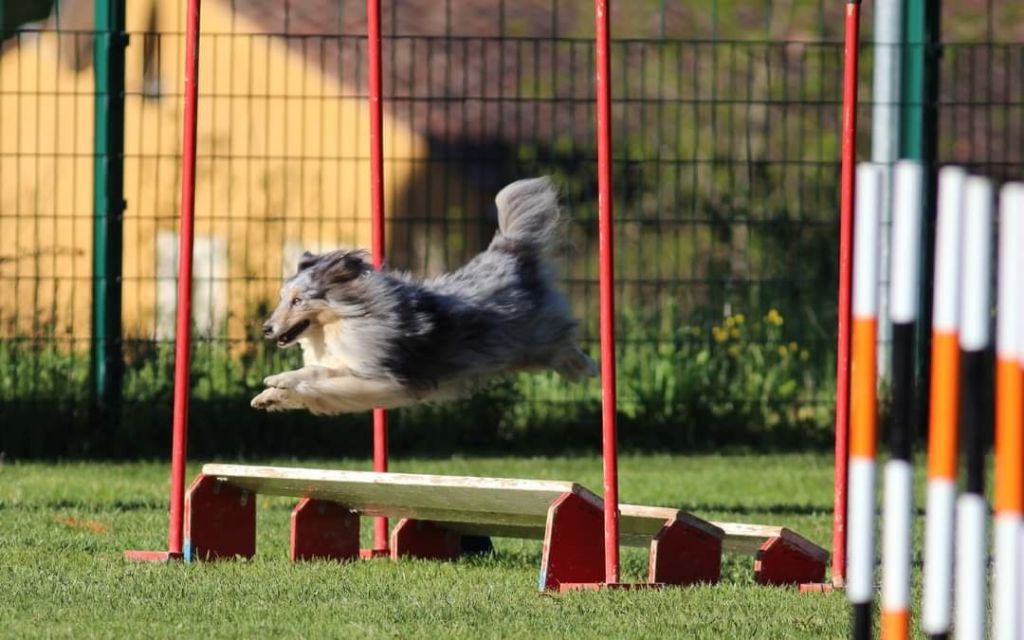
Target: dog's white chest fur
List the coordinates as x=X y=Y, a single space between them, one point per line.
x=328 y=345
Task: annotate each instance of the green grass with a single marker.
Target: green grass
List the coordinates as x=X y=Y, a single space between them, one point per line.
x=63 y=528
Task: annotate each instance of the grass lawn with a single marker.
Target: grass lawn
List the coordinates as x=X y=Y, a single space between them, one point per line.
x=63 y=528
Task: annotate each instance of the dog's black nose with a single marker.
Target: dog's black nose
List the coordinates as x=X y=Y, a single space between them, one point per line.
x=268 y=330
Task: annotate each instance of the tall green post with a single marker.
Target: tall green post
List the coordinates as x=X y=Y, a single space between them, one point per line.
x=108 y=204
x=918 y=141
x=920 y=80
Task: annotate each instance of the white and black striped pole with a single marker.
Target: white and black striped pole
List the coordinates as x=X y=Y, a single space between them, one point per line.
x=898 y=505
x=1009 y=475
x=944 y=396
x=860 y=585
x=975 y=310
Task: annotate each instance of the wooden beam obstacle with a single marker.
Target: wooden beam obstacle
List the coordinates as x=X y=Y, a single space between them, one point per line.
x=440 y=517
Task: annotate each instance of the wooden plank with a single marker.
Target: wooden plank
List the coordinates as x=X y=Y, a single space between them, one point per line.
x=638 y=520
x=499 y=507
x=739 y=537
x=748 y=538
x=637 y=525
x=527 y=532
x=454 y=499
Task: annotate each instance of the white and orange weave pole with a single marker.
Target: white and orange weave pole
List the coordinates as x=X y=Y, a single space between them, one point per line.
x=1009 y=473
x=860 y=583
x=904 y=291
x=944 y=397
x=975 y=314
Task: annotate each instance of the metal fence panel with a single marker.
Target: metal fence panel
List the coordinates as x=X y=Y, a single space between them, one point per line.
x=726 y=171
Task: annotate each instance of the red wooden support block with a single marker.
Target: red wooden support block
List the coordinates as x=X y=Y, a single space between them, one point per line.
x=683 y=553
x=609 y=586
x=370 y=554
x=220 y=520
x=573 y=543
x=323 y=530
x=152 y=556
x=423 y=539
x=818 y=587
x=780 y=562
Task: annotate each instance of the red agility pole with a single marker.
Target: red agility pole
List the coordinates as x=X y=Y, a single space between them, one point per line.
x=607 y=275
x=183 y=335
x=380 y=417
x=848 y=164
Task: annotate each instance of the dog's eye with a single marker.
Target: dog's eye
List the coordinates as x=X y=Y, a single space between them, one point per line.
x=296 y=301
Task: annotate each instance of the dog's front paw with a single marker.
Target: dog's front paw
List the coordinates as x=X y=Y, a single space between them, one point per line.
x=286 y=380
x=269 y=400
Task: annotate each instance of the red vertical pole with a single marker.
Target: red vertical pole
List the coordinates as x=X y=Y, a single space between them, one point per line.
x=380 y=417
x=604 y=204
x=849 y=157
x=183 y=335
x=183 y=341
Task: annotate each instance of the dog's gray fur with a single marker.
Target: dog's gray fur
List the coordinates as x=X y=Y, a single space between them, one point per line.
x=373 y=338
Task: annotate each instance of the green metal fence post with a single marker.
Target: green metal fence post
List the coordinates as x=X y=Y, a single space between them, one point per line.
x=918 y=141
x=920 y=75
x=108 y=203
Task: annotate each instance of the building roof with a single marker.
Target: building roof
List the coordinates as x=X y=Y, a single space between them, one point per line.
x=478 y=72
x=448 y=73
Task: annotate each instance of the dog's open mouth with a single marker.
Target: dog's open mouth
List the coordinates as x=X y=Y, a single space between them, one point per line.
x=290 y=335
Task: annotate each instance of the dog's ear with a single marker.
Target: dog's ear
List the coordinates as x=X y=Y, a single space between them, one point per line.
x=342 y=266
x=307 y=260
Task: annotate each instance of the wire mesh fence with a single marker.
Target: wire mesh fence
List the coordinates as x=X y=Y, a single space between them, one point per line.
x=726 y=183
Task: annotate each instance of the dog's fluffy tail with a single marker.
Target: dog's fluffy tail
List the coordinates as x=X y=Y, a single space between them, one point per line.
x=529 y=217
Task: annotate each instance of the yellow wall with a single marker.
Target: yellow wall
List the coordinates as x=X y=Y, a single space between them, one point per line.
x=45 y=191
x=279 y=166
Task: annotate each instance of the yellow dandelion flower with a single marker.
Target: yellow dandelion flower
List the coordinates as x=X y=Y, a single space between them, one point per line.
x=783 y=351
x=735 y=333
x=730 y=322
x=739 y=318
x=793 y=346
x=734 y=351
x=720 y=334
x=774 y=317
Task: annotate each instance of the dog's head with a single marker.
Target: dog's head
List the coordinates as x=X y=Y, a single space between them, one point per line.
x=304 y=296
